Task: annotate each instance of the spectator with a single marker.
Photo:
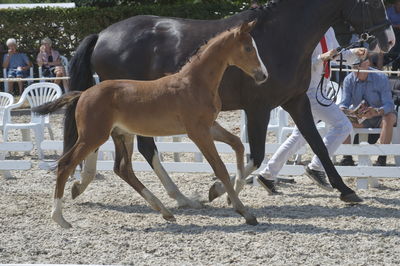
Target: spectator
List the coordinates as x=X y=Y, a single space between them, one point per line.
x=17 y=64
x=374 y=88
x=50 y=61
x=393 y=13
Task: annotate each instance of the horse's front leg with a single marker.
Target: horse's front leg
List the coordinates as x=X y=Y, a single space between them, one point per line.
x=202 y=137
x=148 y=149
x=299 y=109
x=221 y=134
x=257 y=121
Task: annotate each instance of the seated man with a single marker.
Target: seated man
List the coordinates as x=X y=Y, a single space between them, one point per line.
x=375 y=90
x=50 y=61
x=17 y=64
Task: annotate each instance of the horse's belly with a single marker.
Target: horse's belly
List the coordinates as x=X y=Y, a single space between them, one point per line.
x=152 y=126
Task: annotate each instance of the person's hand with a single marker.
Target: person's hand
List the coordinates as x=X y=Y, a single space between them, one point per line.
x=328 y=55
x=42 y=49
x=360 y=53
x=11 y=51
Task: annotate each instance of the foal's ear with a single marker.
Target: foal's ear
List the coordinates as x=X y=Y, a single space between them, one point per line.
x=248 y=26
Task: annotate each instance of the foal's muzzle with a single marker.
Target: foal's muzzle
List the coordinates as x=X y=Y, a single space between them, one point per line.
x=260 y=76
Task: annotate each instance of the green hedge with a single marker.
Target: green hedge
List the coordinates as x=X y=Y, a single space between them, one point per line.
x=67 y=27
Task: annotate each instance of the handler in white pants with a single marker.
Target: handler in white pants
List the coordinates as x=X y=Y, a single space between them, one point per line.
x=338 y=124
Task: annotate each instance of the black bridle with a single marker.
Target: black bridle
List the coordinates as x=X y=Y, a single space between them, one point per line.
x=365 y=37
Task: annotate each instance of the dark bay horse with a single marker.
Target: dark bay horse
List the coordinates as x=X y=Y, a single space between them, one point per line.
x=185 y=102
x=148 y=47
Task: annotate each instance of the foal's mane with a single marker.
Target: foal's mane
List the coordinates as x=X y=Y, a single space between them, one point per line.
x=196 y=54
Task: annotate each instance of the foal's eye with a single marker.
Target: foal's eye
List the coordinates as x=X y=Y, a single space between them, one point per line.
x=247 y=49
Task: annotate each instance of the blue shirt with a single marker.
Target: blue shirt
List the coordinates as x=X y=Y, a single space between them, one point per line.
x=375 y=90
x=17 y=60
x=393 y=16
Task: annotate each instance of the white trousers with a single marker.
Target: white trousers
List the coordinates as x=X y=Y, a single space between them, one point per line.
x=339 y=127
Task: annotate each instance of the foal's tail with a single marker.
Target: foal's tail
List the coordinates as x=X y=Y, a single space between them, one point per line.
x=68 y=99
x=81 y=78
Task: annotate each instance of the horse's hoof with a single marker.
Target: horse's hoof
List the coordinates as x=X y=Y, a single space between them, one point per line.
x=193 y=204
x=169 y=218
x=252 y=221
x=216 y=190
x=75 y=191
x=351 y=198
x=61 y=221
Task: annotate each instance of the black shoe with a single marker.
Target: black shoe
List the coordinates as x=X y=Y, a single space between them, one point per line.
x=269 y=185
x=319 y=178
x=347 y=161
x=381 y=161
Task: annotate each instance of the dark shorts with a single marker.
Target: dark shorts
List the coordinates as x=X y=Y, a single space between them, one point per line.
x=14 y=73
x=374 y=122
x=49 y=72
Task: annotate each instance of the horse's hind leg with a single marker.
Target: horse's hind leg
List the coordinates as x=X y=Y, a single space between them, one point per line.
x=66 y=165
x=148 y=149
x=204 y=140
x=221 y=134
x=87 y=175
x=123 y=168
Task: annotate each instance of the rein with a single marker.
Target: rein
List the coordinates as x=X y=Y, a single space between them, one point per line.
x=365 y=37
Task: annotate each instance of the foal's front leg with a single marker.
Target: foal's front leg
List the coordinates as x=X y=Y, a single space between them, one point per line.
x=202 y=137
x=221 y=134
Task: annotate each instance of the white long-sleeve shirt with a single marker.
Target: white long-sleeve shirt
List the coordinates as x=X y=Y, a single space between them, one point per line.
x=317 y=68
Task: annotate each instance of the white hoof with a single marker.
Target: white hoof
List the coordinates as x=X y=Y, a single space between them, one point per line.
x=60 y=220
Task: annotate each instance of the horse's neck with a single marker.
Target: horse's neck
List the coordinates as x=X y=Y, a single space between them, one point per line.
x=305 y=33
x=208 y=67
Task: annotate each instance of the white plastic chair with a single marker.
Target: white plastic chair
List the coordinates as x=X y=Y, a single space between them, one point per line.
x=64 y=63
x=6 y=100
x=36 y=94
x=6 y=83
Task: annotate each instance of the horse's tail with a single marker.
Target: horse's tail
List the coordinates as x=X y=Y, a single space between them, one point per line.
x=81 y=78
x=50 y=107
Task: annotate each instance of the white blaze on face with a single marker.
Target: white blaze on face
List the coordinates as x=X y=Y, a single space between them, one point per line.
x=263 y=68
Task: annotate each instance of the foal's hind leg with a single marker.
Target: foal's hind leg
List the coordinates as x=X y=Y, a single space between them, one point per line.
x=221 y=134
x=148 y=149
x=87 y=175
x=66 y=165
x=123 y=168
x=203 y=139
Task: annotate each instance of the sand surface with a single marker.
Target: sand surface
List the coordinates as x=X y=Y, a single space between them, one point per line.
x=112 y=224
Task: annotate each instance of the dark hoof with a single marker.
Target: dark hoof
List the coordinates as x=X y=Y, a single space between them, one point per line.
x=74 y=191
x=252 y=221
x=216 y=190
x=351 y=198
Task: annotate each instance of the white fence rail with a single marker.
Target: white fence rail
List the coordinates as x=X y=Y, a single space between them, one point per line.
x=365 y=172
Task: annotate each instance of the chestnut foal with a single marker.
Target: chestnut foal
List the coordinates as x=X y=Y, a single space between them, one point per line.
x=185 y=102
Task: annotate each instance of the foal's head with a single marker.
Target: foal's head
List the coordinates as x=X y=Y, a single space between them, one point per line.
x=244 y=53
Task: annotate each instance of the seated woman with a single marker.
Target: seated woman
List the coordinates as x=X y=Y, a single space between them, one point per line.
x=50 y=61
x=16 y=63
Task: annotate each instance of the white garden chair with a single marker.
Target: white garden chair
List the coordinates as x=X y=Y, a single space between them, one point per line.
x=6 y=100
x=6 y=89
x=36 y=94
